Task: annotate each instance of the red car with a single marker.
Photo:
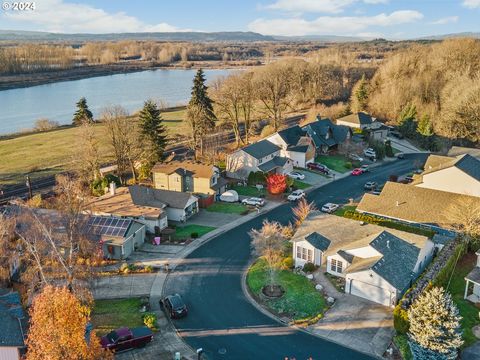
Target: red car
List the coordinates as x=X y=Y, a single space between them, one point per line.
x=357 y=171
x=125 y=338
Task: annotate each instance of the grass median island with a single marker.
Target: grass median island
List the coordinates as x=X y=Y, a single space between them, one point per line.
x=108 y=315
x=300 y=301
x=228 y=208
x=48 y=153
x=185 y=232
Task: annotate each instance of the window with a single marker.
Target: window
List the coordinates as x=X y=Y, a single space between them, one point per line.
x=304 y=254
x=260 y=161
x=336 y=265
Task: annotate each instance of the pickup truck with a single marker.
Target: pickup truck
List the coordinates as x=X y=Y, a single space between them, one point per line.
x=126 y=338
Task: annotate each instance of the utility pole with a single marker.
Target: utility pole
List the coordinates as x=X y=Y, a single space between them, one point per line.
x=29 y=186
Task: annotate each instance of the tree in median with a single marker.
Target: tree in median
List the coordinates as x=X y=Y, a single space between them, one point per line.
x=83 y=113
x=269 y=243
x=435 y=325
x=200 y=116
x=58 y=322
x=153 y=134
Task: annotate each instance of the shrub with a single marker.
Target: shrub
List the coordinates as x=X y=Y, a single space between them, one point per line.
x=348 y=165
x=309 y=267
x=45 y=125
x=194 y=235
x=150 y=320
x=251 y=178
x=388 y=149
x=123 y=267
x=400 y=320
x=148 y=269
x=287 y=262
x=276 y=184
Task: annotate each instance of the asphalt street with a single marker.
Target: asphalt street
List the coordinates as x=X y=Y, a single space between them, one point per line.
x=222 y=321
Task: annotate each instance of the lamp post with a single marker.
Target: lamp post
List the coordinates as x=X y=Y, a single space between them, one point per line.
x=199 y=353
x=28 y=183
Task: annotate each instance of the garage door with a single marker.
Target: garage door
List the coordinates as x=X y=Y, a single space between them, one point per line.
x=370 y=292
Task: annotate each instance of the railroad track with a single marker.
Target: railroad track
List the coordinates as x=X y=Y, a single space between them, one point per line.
x=46 y=184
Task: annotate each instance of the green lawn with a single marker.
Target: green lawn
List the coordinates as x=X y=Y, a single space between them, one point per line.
x=300 y=184
x=185 y=232
x=249 y=191
x=468 y=311
x=300 y=300
x=402 y=344
x=108 y=315
x=48 y=153
x=228 y=208
x=334 y=162
x=341 y=211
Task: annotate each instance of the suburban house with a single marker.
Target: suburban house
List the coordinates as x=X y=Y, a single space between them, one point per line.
x=179 y=206
x=263 y=156
x=360 y=120
x=460 y=174
x=14 y=323
x=378 y=264
x=118 y=237
x=187 y=176
x=120 y=203
x=295 y=144
x=460 y=150
x=326 y=135
x=427 y=208
x=472 y=287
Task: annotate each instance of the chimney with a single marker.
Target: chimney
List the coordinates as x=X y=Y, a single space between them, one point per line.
x=397 y=204
x=113 y=188
x=388 y=244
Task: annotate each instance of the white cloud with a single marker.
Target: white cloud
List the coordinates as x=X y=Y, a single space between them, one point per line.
x=317 y=6
x=57 y=16
x=445 y=20
x=471 y=4
x=339 y=25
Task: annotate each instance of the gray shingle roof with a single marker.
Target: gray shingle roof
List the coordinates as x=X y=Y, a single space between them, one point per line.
x=277 y=161
x=11 y=315
x=474 y=275
x=261 y=149
x=298 y=148
x=346 y=256
x=398 y=261
x=291 y=135
x=469 y=165
x=459 y=150
x=320 y=127
x=159 y=198
x=318 y=241
x=357 y=118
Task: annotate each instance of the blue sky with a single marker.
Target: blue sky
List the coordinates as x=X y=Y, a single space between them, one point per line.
x=395 y=19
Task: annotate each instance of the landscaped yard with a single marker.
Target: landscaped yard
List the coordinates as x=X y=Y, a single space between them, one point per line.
x=468 y=311
x=49 y=153
x=228 y=208
x=185 y=232
x=300 y=184
x=108 y=315
x=334 y=162
x=249 y=191
x=300 y=301
x=341 y=211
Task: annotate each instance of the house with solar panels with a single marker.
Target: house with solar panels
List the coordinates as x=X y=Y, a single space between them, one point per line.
x=117 y=237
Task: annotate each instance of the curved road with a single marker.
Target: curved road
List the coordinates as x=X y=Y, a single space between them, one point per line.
x=222 y=321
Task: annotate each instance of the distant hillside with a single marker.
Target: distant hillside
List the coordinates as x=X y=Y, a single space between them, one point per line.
x=323 y=38
x=13 y=35
x=475 y=35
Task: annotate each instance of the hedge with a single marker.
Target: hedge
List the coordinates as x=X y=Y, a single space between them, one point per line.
x=444 y=275
x=400 y=320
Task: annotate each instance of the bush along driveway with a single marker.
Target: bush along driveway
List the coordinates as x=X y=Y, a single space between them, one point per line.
x=300 y=303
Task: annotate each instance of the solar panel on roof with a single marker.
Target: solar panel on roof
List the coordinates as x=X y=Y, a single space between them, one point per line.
x=109 y=226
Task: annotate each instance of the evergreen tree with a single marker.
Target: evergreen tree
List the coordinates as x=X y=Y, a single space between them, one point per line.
x=435 y=325
x=200 y=115
x=359 y=97
x=153 y=134
x=83 y=113
x=425 y=127
x=409 y=112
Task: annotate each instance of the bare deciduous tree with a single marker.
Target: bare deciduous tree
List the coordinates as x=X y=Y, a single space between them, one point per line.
x=87 y=155
x=302 y=210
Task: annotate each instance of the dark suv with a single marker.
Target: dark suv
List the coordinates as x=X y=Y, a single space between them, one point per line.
x=174 y=306
x=318 y=167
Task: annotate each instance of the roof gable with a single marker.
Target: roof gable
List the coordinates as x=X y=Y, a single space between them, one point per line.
x=261 y=149
x=291 y=135
x=361 y=118
x=145 y=196
x=318 y=241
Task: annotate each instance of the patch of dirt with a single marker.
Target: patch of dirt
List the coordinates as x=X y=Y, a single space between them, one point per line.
x=273 y=291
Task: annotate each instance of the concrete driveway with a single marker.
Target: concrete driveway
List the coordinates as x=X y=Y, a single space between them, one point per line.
x=313 y=178
x=210 y=218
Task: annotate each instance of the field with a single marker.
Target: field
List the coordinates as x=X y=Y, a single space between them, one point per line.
x=48 y=153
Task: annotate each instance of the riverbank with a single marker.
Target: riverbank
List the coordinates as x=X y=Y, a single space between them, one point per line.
x=16 y=81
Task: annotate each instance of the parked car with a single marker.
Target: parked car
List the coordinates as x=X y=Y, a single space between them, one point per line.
x=396 y=134
x=357 y=171
x=375 y=192
x=370 y=154
x=371 y=185
x=318 y=167
x=296 y=195
x=365 y=168
x=126 y=338
x=174 y=306
x=296 y=175
x=330 y=207
x=355 y=157
x=254 y=201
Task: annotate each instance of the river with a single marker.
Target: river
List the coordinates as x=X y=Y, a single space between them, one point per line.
x=20 y=108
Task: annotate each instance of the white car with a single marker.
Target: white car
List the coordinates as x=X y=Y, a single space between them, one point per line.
x=330 y=207
x=253 y=201
x=296 y=195
x=370 y=153
x=296 y=175
x=355 y=157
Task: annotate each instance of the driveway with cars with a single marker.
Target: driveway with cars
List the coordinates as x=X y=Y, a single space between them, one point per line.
x=223 y=322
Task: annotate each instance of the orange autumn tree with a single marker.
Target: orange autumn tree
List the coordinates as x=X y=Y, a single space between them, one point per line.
x=58 y=322
x=276 y=183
